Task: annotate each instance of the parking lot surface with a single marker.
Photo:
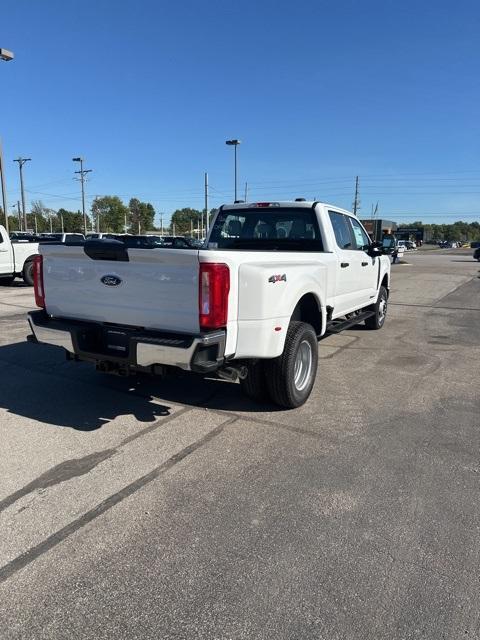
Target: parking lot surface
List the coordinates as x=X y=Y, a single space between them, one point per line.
x=147 y=508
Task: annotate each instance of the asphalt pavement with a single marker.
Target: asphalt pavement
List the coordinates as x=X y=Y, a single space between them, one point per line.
x=177 y=509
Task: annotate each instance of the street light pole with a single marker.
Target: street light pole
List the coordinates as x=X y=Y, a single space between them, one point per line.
x=82 y=173
x=6 y=56
x=19 y=214
x=21 y=162
x=234 y=143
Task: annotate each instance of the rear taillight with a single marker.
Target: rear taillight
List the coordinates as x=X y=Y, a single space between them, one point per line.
x=38 y=281
x=213 y=288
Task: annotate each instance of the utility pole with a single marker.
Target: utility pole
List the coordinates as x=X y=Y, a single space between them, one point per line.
x=356 y=202
x=161 y=224
x=83 y=172
x=378 y=230
x=61 y=220
x=207 y=224
x=246 y=191
x=4 y=189
x=21 y=162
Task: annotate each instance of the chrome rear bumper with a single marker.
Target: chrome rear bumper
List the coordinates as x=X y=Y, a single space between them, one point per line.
x=130 y=347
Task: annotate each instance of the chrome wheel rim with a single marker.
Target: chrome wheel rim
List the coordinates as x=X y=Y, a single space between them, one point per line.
x=382 y=310
x=303 y=366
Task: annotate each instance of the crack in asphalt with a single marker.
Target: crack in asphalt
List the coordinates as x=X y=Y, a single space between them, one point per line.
x=59 y=536
x=69 y=469
x=62 y=472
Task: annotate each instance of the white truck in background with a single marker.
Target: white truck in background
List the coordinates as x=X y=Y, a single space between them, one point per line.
x=16 y=259
x=272 y=278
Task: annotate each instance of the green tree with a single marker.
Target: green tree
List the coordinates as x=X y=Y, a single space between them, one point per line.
x=142 y=215
x=110 y=214
x=185 y=219
x=72 y=221
x=452 y=232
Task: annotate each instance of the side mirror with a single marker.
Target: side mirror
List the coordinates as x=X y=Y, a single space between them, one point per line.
x=376 y=249
x=388 y=245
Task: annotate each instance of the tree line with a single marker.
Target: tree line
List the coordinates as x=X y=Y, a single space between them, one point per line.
x=109 y=215
x=458 y=231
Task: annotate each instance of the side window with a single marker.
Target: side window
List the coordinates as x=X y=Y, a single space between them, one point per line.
x=1 y=237
x=362 y=240
x=341 y=229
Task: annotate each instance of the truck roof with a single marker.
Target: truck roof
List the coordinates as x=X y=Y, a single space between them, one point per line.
x=283 y=203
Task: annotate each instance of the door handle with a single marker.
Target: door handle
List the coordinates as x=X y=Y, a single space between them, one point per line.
x=344 y=265
x=364 y=264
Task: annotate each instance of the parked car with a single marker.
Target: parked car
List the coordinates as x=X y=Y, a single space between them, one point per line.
x=271 y=279
x=92 y=235
x=476 y=254
x=16 y=259
x=63 y=238
x=181 y=242
x=142 y=242
x=22 y=236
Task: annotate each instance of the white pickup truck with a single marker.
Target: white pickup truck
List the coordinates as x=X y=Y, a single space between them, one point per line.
x=272 y=278
x=16 y=259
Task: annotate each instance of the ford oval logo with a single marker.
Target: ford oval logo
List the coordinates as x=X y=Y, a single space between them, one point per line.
x=111 y=281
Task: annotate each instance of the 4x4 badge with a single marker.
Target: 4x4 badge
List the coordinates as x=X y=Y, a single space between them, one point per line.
x=278 y=278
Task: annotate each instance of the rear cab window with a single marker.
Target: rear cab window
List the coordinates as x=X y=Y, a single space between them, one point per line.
x=266 y=229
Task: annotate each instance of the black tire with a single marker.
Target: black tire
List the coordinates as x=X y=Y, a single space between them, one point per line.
x=255 y=385
x=28 y=273
x=6 y=280
x=380 y=308
x=285 y=388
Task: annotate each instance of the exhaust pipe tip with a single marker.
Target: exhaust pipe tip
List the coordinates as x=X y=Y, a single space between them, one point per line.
x=233 y=373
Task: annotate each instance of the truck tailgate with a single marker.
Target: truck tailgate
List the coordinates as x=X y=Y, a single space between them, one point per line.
x=155 y=289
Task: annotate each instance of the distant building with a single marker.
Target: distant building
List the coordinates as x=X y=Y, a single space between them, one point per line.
x=377 y=228
x=411 y=233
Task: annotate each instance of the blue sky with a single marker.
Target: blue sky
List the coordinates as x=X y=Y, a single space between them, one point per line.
x=318 y=92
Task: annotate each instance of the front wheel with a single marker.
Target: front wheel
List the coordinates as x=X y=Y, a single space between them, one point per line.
x=28 y=273
x=380 y=311
x=291 y=376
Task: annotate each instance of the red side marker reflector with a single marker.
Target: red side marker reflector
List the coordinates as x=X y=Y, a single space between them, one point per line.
x=38 y=282
x=278 y=328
